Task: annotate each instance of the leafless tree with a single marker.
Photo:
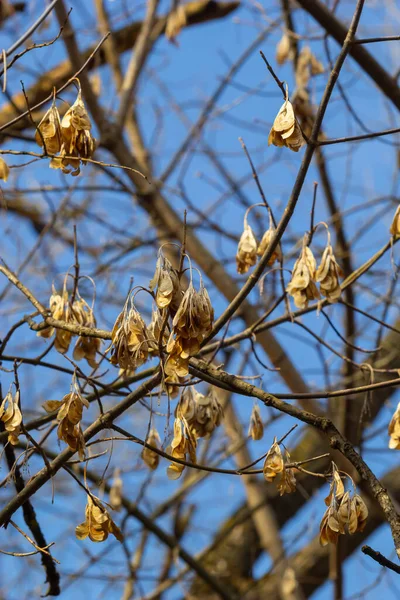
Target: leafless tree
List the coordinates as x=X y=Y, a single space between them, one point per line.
x=199 y=343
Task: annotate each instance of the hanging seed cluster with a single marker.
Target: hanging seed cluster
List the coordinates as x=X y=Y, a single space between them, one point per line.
x=77 y=313
x=69 y=416
x=346 y=512
x=11 y=416
x=70 y=137
x=249 y=249
x=98 y=524
x=275 y=470
x=196 y=416
x=305 y=275
x=256 y=427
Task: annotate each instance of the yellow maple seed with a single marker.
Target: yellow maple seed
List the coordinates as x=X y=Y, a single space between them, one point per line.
x=4 y=169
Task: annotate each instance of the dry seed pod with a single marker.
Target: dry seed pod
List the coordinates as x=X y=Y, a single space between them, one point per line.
x=178 y=449
x=246 y=255
x=98 y=523
x=395 y=226
x=361 y=512
x=11 y=416
x=266 y=239
x=208 y=414
x=394 y=430
x=273 y=462
x=328 y=274
x=307 y=65
x=287 y=482
x=69 y=416
x=283 y=49
x=195 y=314
x=48 y=134
x=286 y=131
x=150 y=457
x=4 y=169
x=131 y=340
x=167 y=283
x=115 y=495
x=302 y=284
x=330 y=528
x=177 y=19
x=256 y=427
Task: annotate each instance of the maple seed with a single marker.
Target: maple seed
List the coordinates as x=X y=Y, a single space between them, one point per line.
x=177 y=19
x=286 y=131
x=273 y=464
x=328 y=274
x=394 y=430
x=4 y=169
x=246 y=255
x=70 y=410
x=266 y=240
x=48 y=134
x=283 y=49
x=256 y=427
x=302 y=284
x=11 y=416
x=115 y=495
x=98 y=524
x=150 y=457
x=395 y=226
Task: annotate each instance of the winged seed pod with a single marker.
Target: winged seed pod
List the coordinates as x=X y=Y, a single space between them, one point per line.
x=98 y=524
x=69 y=416
x=266 y=239
x=328 y=274
x=150 y=457
x=4 y=169
x=394 y=430
x=11 y=416
x=256 y=427
x=115 y=495
x=273 y=464
x=302 y=284
x=167 y=283
x=77 y=141
x=131 y=340
x=246 y=255
x=191 y=324
x=287 y=482
x=183 y=442
x=285 y=130
x=345 y=512
x=208 y=414
x=177 y=19
x=283 y=49
x=395 y=226
x=48 y=133
x=195 y=314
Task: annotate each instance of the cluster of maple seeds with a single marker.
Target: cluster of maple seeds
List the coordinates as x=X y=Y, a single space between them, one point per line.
x=305 y=275
x=180 y=323
x=69 y=416
x=74 y=312
x=70 y=137
x=98 y=523
x=275 y=470
x=249 y=249
x=345 y=512
x=196 y=416
x=11 y=416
